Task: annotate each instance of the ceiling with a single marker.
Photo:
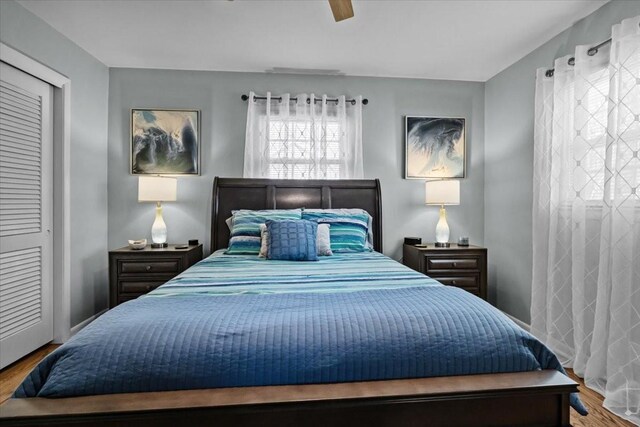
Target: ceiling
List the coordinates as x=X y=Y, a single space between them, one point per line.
x=453 y=40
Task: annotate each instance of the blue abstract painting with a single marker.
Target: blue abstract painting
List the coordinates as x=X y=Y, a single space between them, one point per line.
x=435 y=147
x=165 y=142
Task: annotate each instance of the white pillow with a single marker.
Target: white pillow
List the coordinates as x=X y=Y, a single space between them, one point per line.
x=264 y=241
x=323 y=241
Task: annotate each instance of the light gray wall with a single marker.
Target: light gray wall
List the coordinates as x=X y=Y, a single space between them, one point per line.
x=223 y=121
x=508 y=156
x=27 y=33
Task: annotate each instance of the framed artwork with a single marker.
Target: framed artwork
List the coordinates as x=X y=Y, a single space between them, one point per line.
x=435 y=147
x=165 y=142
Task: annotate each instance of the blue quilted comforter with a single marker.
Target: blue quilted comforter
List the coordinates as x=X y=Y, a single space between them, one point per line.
x=242 y=321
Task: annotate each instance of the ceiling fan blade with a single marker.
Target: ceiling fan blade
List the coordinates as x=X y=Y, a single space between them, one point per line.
x=341 y=9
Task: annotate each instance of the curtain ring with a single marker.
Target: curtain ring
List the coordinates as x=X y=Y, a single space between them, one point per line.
x=308 y=100
x=549 y=73
x=592 y=51
x=571 y=61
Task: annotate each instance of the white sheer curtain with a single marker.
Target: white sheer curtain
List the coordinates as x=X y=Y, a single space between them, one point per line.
x=309 y=138
x=586 y=216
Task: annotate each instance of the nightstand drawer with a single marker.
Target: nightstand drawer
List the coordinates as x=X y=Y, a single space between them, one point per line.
x=442 y=264
x=149 y=266
x=139 y=286
x=460 y=282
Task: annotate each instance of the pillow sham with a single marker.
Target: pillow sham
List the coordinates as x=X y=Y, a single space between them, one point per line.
x=292 y=240
x=349 y=228
x=323 y=241
x=245 y=228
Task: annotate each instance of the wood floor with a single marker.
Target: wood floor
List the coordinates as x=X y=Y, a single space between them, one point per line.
x=598 y=416
x=12 y=376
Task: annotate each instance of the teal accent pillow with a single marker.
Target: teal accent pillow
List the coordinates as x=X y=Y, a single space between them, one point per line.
x=348 y=232
x=292 y=240
x=245 y=228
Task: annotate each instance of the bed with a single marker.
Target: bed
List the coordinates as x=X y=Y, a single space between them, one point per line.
x=243 y=341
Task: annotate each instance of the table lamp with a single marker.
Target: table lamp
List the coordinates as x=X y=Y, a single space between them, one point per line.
x=442 y=192
x=157 y=189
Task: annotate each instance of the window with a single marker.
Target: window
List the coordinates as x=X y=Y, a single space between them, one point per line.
x=592 y=115
x=303 y=137
x=298 y=147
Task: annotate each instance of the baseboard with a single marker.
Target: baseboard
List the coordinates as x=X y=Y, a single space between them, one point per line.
x=85 y=322
x=525 y=326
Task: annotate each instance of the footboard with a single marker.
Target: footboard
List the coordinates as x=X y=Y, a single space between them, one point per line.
x=539 y=398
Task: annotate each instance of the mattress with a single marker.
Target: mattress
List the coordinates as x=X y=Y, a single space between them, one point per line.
x=232 y=321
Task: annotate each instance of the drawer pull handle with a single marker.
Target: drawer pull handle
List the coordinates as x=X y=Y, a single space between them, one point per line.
x=148 y=267
x=455 y=264
x=453 y=282
x=148 y=287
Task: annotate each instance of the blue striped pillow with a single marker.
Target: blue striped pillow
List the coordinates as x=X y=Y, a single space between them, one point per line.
x=348 y=232
x=245 y=228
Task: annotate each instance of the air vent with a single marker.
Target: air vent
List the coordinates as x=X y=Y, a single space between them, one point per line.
x=307 y=71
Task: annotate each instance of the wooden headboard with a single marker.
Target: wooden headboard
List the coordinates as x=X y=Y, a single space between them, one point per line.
x=248 y=193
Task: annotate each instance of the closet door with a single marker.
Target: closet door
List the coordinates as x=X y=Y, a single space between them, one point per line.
x=26 y=214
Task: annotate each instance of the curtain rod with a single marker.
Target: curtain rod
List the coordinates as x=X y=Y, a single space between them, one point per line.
x=592 y=51
x=572 y=61
x=365 y=101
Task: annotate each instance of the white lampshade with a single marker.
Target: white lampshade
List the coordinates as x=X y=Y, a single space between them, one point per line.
x=157 y=189
x=442 y=192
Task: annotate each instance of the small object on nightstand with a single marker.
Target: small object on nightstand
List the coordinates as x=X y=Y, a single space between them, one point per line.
x=182 y=246
x=193 y=242
x=412 y=240
x=137 y=244
x=463 y=241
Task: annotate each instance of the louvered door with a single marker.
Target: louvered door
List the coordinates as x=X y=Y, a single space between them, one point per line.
x=26 y=219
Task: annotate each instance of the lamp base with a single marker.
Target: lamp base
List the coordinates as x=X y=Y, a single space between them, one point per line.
x=159 y=245
x=443 y=245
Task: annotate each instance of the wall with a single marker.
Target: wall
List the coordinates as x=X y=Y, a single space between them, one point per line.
x=27 y=33
x=223 y=121
x=508 y=156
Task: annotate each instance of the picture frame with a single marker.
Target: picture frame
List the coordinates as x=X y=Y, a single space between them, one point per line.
x=164 y=141
x=435 y=147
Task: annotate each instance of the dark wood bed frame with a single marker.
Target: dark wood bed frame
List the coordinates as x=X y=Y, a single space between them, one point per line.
x=539 y=398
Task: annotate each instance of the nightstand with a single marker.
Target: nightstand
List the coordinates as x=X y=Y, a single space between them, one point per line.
x=462 y=266
x=135 y=272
